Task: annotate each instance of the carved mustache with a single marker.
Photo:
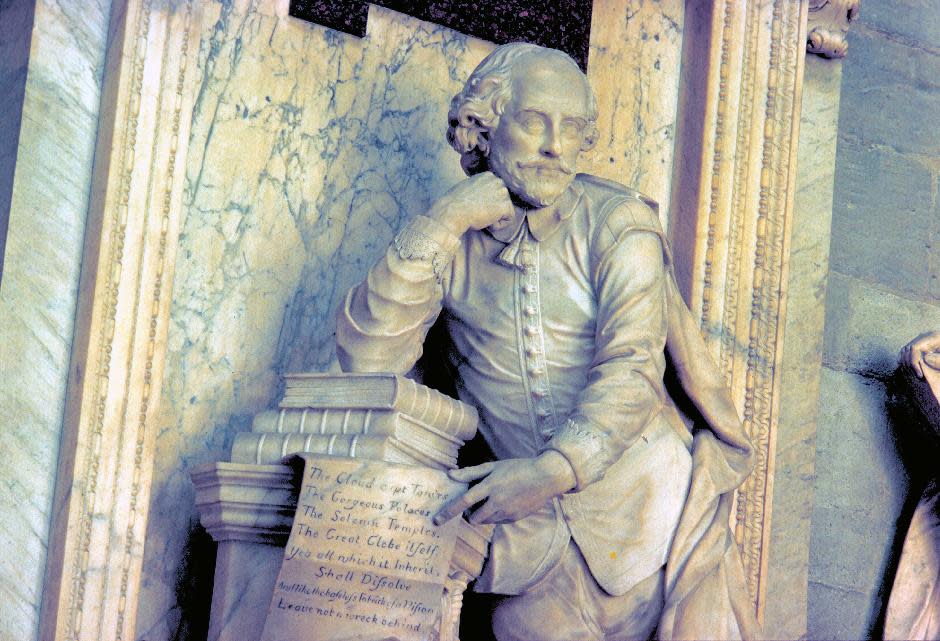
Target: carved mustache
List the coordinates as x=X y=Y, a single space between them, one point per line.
x=550 y=166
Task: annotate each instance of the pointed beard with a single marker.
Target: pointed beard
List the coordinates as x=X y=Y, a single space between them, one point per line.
x=538 y=183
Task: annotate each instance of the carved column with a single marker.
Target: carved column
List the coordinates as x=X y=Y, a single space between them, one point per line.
x=788 y=574
x=732 y=203
x=248 y=510
x=103 y=480
x=738 y=194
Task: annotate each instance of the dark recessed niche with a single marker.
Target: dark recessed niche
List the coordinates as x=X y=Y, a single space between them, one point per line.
x=348 y=16
x=561 y=24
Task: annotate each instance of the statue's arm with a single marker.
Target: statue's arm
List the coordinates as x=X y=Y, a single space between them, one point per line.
x=382 y=323
x=624 y=389
x=699 y=375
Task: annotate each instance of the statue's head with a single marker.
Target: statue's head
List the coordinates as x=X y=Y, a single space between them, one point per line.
x=526 y=113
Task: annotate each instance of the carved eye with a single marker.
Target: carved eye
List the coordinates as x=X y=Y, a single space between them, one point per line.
x=532 y=123
x=572 y=129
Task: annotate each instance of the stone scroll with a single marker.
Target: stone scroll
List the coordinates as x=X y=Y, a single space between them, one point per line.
x=364 y=561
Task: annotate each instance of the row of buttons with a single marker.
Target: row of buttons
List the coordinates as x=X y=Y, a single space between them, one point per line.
x=535 y=365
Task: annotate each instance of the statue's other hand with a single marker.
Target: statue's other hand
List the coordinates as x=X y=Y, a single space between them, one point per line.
x=923 y=350
x=510 y=489
x=478 y=202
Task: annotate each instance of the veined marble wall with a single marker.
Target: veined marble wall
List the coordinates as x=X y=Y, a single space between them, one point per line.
x=309 y=150
x=636 y=51
x=48 y=205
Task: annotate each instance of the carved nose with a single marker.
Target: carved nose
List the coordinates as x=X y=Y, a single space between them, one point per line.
x=551 y=147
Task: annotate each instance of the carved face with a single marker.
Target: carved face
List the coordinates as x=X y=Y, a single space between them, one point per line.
x=541 y=131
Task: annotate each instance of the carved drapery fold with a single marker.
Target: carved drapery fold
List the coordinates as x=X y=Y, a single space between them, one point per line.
x=103 y=478
x=733 y=199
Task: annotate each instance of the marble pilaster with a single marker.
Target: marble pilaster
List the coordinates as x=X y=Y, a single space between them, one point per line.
x=801 y=366
x=116 y=365
x=51 y=148
x=733 y=199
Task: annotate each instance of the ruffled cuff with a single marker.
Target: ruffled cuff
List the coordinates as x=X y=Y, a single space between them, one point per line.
x=584 y=448
x=426 y=240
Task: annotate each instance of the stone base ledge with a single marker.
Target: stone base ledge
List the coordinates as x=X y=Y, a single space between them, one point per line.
x=245 y=502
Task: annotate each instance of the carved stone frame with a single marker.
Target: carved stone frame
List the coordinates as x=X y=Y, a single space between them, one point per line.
x=732 y=200
x=733 y=194
x=116 y=372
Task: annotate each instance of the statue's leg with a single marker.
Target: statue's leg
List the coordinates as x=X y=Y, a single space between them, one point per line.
x=635 y=614
x=551 y=610
x=569 y=605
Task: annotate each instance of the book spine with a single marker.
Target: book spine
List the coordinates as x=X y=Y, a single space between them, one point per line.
x=430 y=407
x=266 y=448
x=425 y=405
x=318 y=421
x=338 y=421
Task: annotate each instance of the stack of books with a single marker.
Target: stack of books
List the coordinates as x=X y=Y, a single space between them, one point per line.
x=382 y=417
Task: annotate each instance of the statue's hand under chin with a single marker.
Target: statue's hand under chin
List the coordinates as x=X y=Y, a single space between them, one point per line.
x=478 y=202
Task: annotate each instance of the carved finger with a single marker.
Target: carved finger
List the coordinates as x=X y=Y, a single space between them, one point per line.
x=467 y=474
x=456 y=507
x=917 y=360
x=932 y=360
x=906 y=357
x=487 y=513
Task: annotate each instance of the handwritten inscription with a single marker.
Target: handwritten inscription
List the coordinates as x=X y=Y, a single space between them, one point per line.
x=363 y=560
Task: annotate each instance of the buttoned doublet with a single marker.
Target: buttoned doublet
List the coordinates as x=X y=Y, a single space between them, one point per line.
x=558 y=326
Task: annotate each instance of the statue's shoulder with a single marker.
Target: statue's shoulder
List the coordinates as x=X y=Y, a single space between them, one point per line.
x=617 y=206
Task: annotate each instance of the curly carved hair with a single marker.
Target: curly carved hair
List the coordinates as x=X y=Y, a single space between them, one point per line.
x=476 y=109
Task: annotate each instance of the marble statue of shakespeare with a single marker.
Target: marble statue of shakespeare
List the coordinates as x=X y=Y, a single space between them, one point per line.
x=558 y=299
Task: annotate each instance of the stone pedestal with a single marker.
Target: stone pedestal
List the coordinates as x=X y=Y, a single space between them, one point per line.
x=248 y=510
x=248 y=506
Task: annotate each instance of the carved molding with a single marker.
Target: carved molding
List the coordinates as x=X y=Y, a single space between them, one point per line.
x=736 y=195
x=828 y=24
x=245 y=502
x=103 y=478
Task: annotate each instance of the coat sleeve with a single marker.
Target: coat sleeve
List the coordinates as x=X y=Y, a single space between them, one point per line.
x=624 y=384
x=382 y=322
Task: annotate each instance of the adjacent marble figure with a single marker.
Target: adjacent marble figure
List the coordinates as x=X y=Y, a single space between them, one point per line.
x=914 y=607
x=561 y=311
